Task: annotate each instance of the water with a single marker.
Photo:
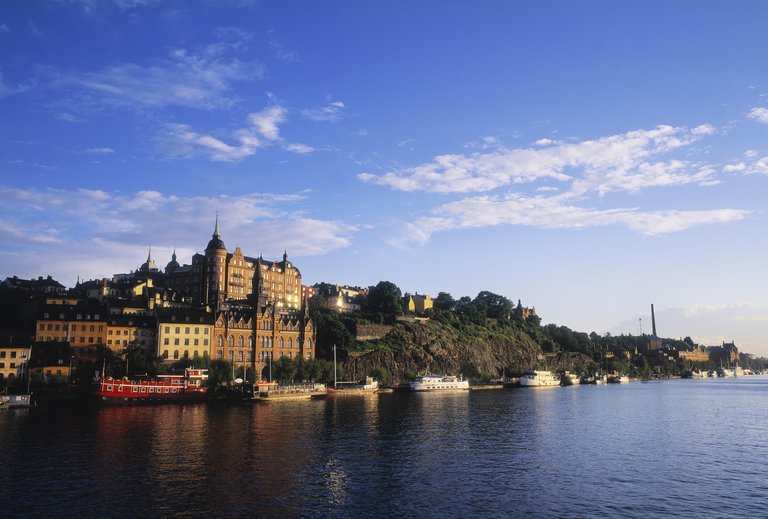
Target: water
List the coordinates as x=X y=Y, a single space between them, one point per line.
x=684 y=448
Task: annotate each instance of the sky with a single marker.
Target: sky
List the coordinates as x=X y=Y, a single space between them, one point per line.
x=587 y=158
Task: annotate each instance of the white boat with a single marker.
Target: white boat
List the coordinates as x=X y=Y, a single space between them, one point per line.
x=618 y=379
x=438 y=383
x=369 y=385
x=725 y=372
x=570 y=379
x=535 y=378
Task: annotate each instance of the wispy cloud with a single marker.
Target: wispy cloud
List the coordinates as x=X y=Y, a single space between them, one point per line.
x=759 y=114
x=282 y=53
x=556 y=213
x=200 y=78
x=332 y=111
x=263 y=129
x=101 y=222
x=99 y=151
x=617 y=162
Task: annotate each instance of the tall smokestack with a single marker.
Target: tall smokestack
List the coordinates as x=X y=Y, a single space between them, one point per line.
x=653 y=320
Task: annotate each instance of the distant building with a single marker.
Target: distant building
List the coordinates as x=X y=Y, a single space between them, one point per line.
x=726 y=354
x=43 y=286
x=14 y=360
x=341 y=298
x=417 y=304
x=523 y=313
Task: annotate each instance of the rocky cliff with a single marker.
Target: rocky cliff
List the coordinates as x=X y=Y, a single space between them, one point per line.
x=472 y=350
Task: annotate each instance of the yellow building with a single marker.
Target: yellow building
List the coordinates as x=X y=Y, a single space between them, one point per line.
x=80 y=325
x=183 y=333
x=125 y=329
x=14 y=362
x=417 y=304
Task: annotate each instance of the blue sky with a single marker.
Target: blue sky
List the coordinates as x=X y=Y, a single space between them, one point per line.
x=588 y=158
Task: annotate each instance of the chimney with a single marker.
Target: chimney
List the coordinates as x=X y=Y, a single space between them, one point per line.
x=653 y=320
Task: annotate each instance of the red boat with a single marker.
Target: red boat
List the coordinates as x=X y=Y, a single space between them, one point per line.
x=189 y=387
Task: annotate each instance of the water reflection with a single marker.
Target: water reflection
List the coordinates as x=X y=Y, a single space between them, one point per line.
x=582 y=451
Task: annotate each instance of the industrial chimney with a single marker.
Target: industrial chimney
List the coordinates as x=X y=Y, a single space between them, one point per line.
x=653 y=320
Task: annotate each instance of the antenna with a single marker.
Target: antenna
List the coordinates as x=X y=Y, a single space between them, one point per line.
x=641 y=325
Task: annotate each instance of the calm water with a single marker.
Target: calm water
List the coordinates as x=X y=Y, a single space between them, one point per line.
x=685 y=447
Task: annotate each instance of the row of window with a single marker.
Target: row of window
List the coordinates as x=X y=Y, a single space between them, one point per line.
x=187 y=330
x=65 y=326
x=12 y=354
x=166 y=342
x=79 y=316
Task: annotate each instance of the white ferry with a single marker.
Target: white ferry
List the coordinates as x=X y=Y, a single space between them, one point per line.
x=533 y=378
x=438 y=383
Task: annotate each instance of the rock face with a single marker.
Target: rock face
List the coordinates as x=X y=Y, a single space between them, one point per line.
x=474 y=351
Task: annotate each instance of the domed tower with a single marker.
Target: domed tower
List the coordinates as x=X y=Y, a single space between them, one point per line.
x=215 y=268
x=173 y=264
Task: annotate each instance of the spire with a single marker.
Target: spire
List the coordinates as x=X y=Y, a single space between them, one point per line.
x=173 y=256
x=149 y=255
x=216 y=229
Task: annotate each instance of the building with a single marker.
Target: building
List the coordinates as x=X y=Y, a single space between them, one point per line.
x=183 y=333
x=80 y=325
x=341 y=298
x=44 y=286
x=131 y=328
x=14 y=361
x=417 y=304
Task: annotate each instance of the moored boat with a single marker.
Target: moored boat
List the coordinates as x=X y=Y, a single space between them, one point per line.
x=536 y=378
x=15 y=401
x=570 y=379
x=429 y=382
x=369 y=385
x=189 y=387
x=618 y=379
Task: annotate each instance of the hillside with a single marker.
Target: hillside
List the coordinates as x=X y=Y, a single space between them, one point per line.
x=480 y=352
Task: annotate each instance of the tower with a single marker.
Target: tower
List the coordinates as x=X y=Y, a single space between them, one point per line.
x=653 y=320
x=215 y=268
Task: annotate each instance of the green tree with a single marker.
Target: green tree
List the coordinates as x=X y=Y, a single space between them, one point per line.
x=385 y=298
x=496 y=306
x=444 y=301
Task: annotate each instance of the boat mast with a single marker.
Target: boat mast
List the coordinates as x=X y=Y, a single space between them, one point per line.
x=334 y=366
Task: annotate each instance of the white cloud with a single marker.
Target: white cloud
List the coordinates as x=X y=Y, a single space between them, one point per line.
x=113 y=230
x=616 y=162
x=199 y=78
x=99 y=151
x=759 y=114
x=282 y=53
x=267 y=120
x=301 y=149
x=556 y=213
x=332 y=111
x=752 y=167
x=180 y=141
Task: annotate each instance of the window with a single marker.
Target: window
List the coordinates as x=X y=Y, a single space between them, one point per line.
x=167 y=329
x=186 y=342
x=197 y=330
x=176 y=354
x=176 y=342
x=231 y=341
x=178 y=329
x=166 y=341
x=205 y=342
x=240 y=342
x=196 y=341
x=165 y=354
x=281 y=343
x=219 y=341
x=186 y=330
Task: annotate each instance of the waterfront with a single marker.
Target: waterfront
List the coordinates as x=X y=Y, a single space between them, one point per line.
x=680 y=447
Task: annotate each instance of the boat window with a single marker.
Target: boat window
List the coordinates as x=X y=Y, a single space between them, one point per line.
x=143 y=389
x=109 y=388
x=134 y=389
